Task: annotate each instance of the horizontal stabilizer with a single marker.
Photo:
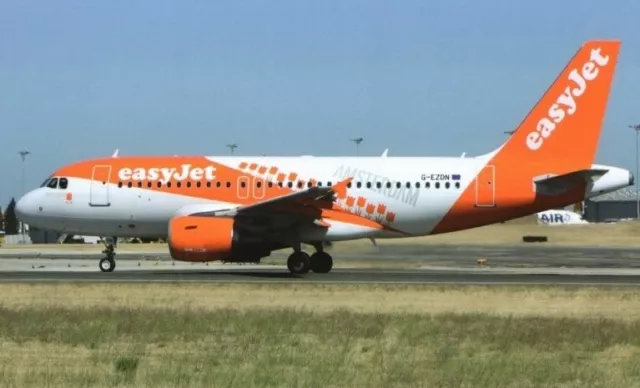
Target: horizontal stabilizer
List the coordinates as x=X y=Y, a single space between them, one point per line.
x=558 y=184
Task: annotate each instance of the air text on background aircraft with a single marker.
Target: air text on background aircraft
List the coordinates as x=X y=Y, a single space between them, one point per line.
x=559 y=218
x=166 y=174
x=566 y=102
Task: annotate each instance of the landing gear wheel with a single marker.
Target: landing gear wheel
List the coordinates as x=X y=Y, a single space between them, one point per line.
x=299 y=263
x=107 y=264
x=321 y=262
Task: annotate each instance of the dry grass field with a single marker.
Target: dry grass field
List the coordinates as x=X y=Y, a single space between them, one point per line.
x=318 y=336
x=621 y=234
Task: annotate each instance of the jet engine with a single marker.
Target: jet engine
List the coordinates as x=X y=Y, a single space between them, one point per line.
x=200 y=239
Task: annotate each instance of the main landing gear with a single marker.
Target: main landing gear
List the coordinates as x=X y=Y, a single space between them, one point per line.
x=108 y=264
x=300 y=263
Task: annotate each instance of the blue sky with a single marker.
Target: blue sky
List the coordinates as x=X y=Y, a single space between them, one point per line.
x=79 y=79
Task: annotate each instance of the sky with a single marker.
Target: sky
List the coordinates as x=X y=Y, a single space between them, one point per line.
x=79 y=79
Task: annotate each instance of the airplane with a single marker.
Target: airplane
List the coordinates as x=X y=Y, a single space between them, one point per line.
x=242 y=208
x=560 y=217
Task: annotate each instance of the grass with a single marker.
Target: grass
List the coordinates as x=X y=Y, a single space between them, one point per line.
x=621 y=234
x=318 y=336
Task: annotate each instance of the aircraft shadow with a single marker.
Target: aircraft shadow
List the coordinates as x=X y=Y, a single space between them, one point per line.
x=236 y=274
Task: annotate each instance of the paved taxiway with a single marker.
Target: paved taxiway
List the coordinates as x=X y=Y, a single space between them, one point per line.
x=440 y=255
x=341 y=276
x=437 y=264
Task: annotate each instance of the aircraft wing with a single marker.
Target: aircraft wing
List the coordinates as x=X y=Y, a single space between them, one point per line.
x=558 y=184
x=313 y=197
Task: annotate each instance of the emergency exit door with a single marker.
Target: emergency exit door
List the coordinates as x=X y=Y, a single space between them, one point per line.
x=99 y=191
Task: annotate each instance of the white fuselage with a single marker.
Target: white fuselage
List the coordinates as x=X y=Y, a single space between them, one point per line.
x=417 y=191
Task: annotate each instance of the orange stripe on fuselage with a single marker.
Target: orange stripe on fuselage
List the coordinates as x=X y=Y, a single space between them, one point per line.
x=147 y=173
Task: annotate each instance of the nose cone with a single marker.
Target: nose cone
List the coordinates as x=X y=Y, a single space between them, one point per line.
x=20 y=208
x=632 y=179
x=26 y=206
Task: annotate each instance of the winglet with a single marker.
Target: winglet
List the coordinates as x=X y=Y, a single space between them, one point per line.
x=340 y=188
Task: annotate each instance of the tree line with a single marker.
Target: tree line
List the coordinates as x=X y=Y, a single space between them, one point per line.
x=8 y=219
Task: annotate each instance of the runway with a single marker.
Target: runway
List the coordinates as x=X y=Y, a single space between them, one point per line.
x=337 y=276
x=447 y=255
x=426 y=265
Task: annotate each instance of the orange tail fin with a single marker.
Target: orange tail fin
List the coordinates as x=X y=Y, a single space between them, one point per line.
x=562 y=131
x=559 y=137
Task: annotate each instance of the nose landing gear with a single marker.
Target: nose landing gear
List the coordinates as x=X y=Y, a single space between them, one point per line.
x=108 y=264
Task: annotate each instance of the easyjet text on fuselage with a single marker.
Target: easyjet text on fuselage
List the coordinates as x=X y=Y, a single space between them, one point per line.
x=166 y=174
x=567 y=103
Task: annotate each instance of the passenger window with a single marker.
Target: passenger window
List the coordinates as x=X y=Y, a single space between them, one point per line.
x=129 y=184
x=228 y=184
x=218 y=184
x=178 y=184
x=427 y=185
x=149 y=184
x=198 y=184
x=359 y=185
x=398 y=185
x=188 y=184
x=418 y=184
x=388 y=185
x=168 y=184
x=63 y=183
x=119 y=184
x=457 y=185
x=378 y=184
x=368 y=185
x=437 y=185
x=139 y=184
x=446 y=185
x=349 y=185
x=408 y=185
x=53 y=183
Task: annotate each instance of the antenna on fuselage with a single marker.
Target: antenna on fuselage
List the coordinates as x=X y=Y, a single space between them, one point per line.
x=384 y=154
x=115 y=153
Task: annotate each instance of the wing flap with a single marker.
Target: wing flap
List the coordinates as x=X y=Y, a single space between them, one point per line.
x=314 y=197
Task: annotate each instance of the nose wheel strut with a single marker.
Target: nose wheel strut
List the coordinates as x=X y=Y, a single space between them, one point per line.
x=108 y=264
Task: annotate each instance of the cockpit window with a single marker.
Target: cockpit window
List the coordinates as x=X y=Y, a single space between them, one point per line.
x=63 y=183
x=53 y=183
x=45 y=182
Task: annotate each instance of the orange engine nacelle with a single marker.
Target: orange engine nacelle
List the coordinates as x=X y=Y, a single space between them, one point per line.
x=200 y=238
